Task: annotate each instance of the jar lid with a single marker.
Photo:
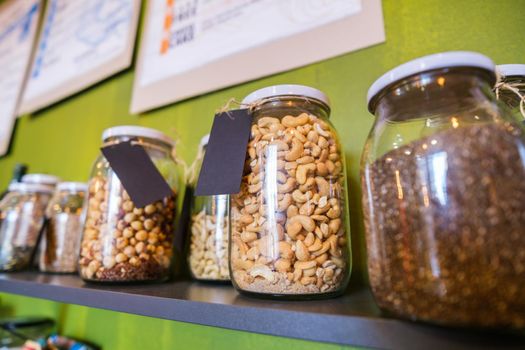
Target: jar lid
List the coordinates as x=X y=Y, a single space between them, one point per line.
x=72 y=186
x=287 y=90
x=139 y=131
x=204 y=140
x=30 y=187
x=428 y=63
x=44 y=179
x=509 y=70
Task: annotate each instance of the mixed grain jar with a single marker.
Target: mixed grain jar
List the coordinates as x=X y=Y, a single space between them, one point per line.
x=289 y=223
x=61 y=239
x=208 y=246
x=511 y=88
x=22 y=216
x=443 y=195
x=122 y=242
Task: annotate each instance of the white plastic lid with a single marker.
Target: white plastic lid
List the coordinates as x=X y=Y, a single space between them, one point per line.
x=30 y=187
x=204 y=140
x=284 y=90
x=509 y=70
x=139 y=131
x=72 y=186
x=431 y=62
x=44 y=179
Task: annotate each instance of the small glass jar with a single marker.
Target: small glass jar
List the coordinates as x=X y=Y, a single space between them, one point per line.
x=443 y=195
x=61 y=239
x=22 y=214
x=513 y=79
x=289 y=224
x=122 y=242
x=208 y=246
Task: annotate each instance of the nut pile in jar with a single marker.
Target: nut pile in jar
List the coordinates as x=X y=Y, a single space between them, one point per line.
x=468 y=266
x=208 y=257
x=288 y=226
x=122 y=242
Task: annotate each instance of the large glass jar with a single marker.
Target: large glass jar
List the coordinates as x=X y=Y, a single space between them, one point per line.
x=22 y=213
x=511 y=89
x=208 y=246
x=443 y=195
x=61 y=239
x=122 y=242
x=289 y=224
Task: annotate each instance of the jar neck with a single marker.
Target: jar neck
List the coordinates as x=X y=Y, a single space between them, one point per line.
x=511 y=98
x=281 y=106
x=433 y=94
x=145 y=142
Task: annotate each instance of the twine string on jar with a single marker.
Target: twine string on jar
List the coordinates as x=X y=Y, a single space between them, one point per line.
x=512 y=87
x=191 y=171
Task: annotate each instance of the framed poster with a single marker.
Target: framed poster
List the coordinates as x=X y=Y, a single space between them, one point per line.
x=81 y=43
x=191 y=47
x=18 y=26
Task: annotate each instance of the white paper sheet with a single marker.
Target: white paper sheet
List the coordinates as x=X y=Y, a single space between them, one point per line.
x=185 y=36
x=18 y=24
x=203 y=31
x=82 y=42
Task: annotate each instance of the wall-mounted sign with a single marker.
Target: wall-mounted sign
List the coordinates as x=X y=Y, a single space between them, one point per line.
x=18 y=25
x=81 y=43
x=194 y=46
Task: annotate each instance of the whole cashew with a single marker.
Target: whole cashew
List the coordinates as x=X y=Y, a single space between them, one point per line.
x=296 y=151
x=306 y=222
x=302 y=172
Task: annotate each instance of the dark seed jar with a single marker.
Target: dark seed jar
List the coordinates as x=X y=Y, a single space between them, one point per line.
x=122 y=242
x=444 y=196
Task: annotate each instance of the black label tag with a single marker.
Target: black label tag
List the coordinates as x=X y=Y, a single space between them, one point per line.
x=223 y=164
x=138 y=174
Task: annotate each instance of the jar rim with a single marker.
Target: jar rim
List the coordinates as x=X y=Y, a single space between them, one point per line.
x=138 y=131
x=511 y=70
x=30 y=187
x=286 y=90
x=44 y=179
x=450 y=59
x=72 y=186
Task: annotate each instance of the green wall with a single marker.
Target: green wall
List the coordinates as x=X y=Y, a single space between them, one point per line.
x=64 y=140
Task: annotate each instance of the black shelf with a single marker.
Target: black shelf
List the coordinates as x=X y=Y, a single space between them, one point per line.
x=352 y=319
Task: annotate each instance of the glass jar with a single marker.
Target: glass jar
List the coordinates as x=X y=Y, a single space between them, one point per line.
x=511 y=90
x=121 y=242
x=22 y=213
x=289 y=223
x=208 y=246
x=46 y=180
x=61 y=239
x=444 y=198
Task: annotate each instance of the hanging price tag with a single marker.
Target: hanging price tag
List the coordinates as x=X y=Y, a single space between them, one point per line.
x=223 y=164
x=137 y=173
